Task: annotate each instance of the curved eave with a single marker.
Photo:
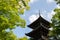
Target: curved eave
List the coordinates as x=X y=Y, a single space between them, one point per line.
x=36 y=22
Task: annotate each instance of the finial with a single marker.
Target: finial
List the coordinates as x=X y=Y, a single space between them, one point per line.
x=39 y=13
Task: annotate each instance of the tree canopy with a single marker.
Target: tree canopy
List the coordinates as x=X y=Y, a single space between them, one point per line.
x=10 y=11
x=55 y=33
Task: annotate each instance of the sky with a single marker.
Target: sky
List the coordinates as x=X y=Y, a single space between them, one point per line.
x=46 y=8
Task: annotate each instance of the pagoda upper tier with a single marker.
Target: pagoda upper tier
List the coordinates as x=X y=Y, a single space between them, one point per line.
x=38 y=22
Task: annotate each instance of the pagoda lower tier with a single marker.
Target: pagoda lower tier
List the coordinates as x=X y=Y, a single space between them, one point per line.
x=38 y=33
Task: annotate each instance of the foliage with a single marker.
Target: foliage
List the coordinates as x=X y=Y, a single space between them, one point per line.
x=56 y=24
x=24 y=38
x=55 y=33
x=30 y=39
x=58 y=1
x=10 y=11
x=7 y=36
x=10 y=36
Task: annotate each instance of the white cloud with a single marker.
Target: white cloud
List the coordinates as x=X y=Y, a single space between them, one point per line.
x=32 y=1
x=50 y=1
x=47 y=16
x=58 y=6
x=50 y=15
x=33 y=18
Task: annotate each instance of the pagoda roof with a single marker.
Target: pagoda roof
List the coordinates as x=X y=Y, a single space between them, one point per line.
x=38 y=32
x=38 y=21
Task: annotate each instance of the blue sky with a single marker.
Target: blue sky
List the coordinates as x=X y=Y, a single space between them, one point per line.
x=46 y=8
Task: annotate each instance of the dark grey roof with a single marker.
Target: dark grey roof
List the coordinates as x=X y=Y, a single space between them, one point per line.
x=38 y=21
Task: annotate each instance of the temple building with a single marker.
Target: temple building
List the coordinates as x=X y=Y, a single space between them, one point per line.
x=40 y=29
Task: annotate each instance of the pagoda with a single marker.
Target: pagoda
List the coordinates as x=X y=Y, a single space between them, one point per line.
x=40 y=29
